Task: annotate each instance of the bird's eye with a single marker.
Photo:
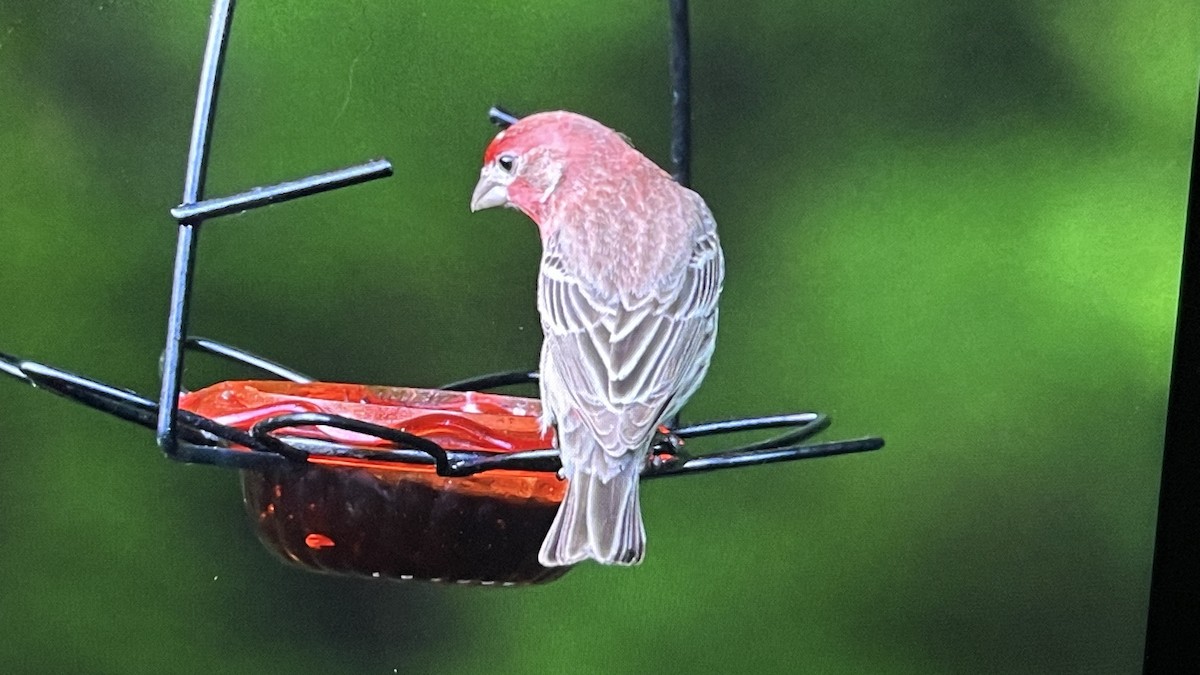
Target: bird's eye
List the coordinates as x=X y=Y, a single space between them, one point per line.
x=507 y=162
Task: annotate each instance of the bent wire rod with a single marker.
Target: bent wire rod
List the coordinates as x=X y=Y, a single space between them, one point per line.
x=804 y=426
x=206 y=441
x=194 y=210
x=493 y=380
x=282 y=192
x=681 y=93
x=781 y=448
x=185 y=248
x=244 y=357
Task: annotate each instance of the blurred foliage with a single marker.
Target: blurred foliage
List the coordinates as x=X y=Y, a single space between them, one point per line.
x=956 y=225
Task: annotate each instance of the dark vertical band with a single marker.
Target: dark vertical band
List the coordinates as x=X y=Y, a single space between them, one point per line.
x=1174 y=613
x=681 y=93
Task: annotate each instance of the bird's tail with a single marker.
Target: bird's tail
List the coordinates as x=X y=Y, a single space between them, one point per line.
x=598 y=519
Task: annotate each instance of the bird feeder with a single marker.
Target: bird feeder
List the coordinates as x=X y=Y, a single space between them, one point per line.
x=454 y=484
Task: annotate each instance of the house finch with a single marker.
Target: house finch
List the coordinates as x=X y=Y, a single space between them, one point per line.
x=627 y=291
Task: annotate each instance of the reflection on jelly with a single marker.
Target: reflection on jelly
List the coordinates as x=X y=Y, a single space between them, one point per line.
x=318 y=541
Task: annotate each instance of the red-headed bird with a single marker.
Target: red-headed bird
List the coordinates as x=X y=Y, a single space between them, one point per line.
x=627 y=291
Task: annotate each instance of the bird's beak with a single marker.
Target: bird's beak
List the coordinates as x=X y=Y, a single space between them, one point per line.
x=489 y=192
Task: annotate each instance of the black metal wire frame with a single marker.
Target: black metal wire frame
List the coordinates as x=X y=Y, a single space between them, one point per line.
x=189 y=437
x=194 y=211
x=205 y=441
x=681 y=93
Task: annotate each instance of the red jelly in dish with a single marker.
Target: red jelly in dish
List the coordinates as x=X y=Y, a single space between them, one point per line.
x=389 y=519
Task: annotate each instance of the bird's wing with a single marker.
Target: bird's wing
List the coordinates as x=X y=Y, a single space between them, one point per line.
x=623 y=367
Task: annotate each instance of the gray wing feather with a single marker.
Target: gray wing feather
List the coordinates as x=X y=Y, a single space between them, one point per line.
x=617 y=370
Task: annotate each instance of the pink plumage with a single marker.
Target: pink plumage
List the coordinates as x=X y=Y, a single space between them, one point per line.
x=630 y=276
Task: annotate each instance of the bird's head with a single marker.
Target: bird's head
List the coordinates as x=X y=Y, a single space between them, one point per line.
x=528 y=163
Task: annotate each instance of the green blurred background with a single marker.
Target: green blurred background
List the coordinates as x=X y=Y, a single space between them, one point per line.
x=956 y=225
